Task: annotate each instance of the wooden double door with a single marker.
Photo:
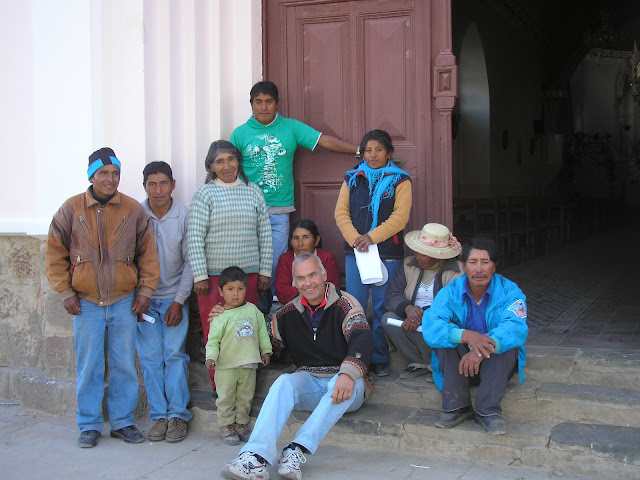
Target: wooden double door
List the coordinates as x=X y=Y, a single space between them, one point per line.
x=347 y=67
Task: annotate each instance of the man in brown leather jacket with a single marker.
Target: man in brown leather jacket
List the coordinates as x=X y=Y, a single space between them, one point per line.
x=101 y=258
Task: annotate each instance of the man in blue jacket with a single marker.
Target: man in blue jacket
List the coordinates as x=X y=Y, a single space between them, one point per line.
x=476 y=326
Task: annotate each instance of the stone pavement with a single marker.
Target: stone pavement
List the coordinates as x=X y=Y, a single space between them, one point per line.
x=37 y=446
x=585 y=294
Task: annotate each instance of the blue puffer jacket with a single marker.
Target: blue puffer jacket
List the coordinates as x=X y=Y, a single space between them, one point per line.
x=506 y=318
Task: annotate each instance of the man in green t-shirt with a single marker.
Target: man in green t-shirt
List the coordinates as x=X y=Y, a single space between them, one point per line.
x=268 y=142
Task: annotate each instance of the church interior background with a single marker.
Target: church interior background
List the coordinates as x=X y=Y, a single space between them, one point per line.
x=546 y=128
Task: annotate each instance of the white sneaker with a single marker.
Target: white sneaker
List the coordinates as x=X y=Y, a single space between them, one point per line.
x=289 y=463
x=246 y=467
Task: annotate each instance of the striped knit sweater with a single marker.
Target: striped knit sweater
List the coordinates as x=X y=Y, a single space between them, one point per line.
x=229 y=225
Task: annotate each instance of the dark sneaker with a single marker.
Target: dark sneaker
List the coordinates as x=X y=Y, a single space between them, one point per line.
x=159 y=430
x=130 y=434
x=229 y=436
x=381 y=369
x=492 y=424
x=414 y=371
x=88 y=439
x=451 y=419
x=243 y=431
x=248 y=466
x=177 y=430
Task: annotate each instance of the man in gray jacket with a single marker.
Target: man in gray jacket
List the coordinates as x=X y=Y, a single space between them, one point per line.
x=162 y=335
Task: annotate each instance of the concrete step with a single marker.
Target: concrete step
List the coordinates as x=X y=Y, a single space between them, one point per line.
x=613 y=451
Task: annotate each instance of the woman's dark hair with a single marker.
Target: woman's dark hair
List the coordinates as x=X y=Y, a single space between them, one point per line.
x=156 y=167
x=480 y=242
x=266 y=87
x=307 y=225
x=216 y=148
x=380 y=135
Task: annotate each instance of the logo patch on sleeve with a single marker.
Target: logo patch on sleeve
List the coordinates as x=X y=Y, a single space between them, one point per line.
x=519 y=309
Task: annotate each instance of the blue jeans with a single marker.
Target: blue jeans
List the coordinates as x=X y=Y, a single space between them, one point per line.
x=119 y=323
x=164 y=362
x=280 y=237
x=300 y=391
x=356 y=288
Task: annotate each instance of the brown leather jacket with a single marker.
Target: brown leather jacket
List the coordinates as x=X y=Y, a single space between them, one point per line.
x=101 y=253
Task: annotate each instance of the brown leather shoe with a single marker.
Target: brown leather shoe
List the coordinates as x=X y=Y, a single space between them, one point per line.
x=159 y=430
x=177 y=430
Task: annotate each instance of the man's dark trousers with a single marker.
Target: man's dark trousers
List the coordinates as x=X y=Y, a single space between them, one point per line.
x=491 y=380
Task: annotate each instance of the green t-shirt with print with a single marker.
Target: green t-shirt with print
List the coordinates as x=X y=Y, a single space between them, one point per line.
x=267 y=155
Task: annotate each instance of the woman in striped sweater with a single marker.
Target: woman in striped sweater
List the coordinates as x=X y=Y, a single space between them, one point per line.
x=228 y=225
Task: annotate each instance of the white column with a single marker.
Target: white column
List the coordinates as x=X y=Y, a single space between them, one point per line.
x=153 y=79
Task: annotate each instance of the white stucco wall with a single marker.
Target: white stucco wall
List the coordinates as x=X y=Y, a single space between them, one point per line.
x=153 y=79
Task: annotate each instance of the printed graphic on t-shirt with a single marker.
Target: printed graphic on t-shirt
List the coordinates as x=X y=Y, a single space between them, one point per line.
x=518 y=308
x=264 y=153
x=246 y=330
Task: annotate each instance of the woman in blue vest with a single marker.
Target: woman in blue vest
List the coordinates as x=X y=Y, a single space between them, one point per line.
x=373 y=208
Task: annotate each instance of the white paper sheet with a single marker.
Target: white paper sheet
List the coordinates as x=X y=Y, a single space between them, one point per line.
x=398 y=323
x=369 y=265
x=148 y=318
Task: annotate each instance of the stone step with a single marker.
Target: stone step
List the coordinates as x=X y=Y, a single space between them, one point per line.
x=613 y=452
x=588 y=403
x=556 y=401
x=589 y=366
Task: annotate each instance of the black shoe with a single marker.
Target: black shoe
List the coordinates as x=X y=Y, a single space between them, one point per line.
x=88 y=439
x=451 y=419
x=492 y=424
x=130 y=434
x=381 y=369
x=412 y=372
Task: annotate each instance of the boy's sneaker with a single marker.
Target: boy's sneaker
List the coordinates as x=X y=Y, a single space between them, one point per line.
x=228 y=435
x=246 y=467
x=243 y=431
x=289 y=463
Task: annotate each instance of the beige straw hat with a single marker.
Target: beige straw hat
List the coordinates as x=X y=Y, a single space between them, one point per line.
x=434 y=240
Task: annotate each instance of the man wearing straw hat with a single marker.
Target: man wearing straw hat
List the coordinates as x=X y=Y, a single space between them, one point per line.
x=412 y=290
x=476 y=326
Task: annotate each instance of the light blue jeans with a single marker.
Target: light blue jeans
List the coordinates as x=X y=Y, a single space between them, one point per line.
x=119 y=323
x=280 y=237
x=164 y=362
x=356 y=288
x=300 y=391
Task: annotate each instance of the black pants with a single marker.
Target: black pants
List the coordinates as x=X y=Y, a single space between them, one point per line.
x=491 y=380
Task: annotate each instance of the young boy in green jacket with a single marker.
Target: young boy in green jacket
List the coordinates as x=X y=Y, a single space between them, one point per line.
x=238 y=342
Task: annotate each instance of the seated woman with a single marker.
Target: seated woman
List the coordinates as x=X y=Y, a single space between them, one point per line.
x=413 y=288
x=304 y=237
